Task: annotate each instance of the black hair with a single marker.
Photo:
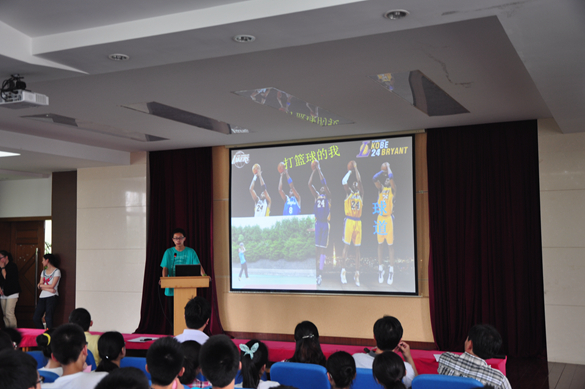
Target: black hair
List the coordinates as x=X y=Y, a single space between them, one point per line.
x=81 y=317
x=110 y=345
x=44 y=342
x=387 y=332
x=190 y=350
x=5 y=341
x=124 y=378
x=341 y=367
x=53 y=259
x=164 y=360
x=15 y=336
x=197 y=312
x=389 y=370
x=67 y=343
x=308 y=348
x=18 y=370
x=220 y=360
x=486 y=340
x=178 y=231
x=251 y=367
x=6 y=254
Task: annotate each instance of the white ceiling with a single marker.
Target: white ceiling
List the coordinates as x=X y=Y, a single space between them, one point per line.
x=502 y=60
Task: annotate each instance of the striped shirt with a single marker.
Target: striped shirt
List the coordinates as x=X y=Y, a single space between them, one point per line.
x=467 y=365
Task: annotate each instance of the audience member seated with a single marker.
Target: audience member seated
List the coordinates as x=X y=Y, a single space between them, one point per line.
x=197 y=314
x=124 y=378
x=70 y=349
x=308 y=348
x=190 y=350
x=82 y=318
x=483 y=342
x=341 y=370
x=164 y=362
x=388 y=335
x=254 y=357
x=220 y=361
x=18 y=370
x=111 y=348
x=15 y=336
x=5 y=341
x=44 y=343
x=389 y=370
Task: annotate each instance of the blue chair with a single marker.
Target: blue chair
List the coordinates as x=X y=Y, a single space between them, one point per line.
x=364 y=379
x=90 y=360
x=38 y=355
x=137 y=362
x=48 y=376
x=300 y=375
x=438 y=381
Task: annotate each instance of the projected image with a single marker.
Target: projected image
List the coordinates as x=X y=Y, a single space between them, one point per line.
x=332 y=217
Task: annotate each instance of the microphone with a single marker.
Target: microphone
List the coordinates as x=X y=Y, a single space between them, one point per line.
x=175 y=255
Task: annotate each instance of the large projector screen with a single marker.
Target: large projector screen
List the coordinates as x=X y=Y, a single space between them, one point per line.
x=334 y=217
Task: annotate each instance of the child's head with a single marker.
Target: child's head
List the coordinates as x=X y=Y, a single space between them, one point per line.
x=220 y=360
x=341 y=369
x=110 y=346
x=67 y=343
x=44 y=342
x=388 y=369
x=197 y=312
x=387 y=332
x=18 y=370
x=484 y=341
x=124 y=378
x=81 y=317
x=190 y=350
x=164 y=361
x=308 y=348
x=254 y=356
x=53 y=259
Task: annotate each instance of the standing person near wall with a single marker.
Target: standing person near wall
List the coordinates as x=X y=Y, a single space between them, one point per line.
x=48 y=284
x=9 y=288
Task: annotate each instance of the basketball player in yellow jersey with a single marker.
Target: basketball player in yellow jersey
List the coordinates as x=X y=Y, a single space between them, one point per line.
x=352 y=229
x=384 y=181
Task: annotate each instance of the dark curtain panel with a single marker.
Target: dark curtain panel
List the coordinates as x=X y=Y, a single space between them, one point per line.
x=486 y=251
x=180 y=197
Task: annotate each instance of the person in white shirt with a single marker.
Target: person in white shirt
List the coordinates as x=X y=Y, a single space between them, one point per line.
x=388 y=335
x=197 y=314
x=70 y=349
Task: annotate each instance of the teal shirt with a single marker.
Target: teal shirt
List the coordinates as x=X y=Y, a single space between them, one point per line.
x=186 y=257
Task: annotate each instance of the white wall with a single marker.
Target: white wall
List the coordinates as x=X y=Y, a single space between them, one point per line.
x=25 y=198
x=111 y=243
x=562 y=206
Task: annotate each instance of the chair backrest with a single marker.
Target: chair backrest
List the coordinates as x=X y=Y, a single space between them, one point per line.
x=48 y=376
x=438 y=381
x=137 y=362
x=300 y=375
x=38 y=355
x=364 y=379
x=90 y=360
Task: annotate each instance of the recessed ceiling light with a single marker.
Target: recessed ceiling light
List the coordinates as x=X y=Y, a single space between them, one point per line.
x=119 y=57
x=7 y=154
x=396 y=14
x=244 y=38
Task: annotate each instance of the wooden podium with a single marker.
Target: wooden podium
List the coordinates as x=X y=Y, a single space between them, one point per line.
x=185 y=290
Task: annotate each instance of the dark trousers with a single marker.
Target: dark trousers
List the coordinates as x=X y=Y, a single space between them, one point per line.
x=244 y=268
x=45 y=305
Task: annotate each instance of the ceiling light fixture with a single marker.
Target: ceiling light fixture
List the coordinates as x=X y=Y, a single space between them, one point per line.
x=8 y=154
x=119 y=57
x=396 y=14
x=244 y=38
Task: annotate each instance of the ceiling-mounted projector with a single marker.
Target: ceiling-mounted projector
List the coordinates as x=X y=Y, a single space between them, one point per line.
x=13 y=95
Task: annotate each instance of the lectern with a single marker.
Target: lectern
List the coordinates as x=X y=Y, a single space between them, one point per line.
x=185 y=290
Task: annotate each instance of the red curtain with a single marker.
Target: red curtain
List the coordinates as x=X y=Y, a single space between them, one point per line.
x=180 y=197
x=486 y=254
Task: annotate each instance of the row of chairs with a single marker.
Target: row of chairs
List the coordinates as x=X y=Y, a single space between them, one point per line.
x=299 y=375
x=307 y=376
